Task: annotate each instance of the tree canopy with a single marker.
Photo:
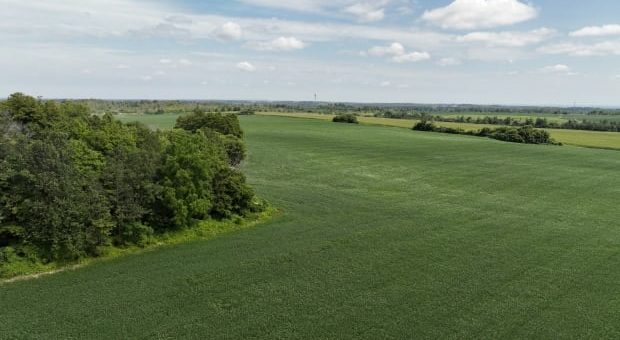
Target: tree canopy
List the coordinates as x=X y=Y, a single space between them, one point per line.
x=72 y=183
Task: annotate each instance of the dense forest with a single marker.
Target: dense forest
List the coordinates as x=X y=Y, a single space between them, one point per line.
x=73 y=183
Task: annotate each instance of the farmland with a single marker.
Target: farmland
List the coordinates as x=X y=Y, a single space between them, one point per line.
x=383 y=233
x=604 y=140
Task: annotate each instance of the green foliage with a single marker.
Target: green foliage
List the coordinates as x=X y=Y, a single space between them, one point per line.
x=135 y=233
x=72 y=184
x=233 y=195
x=345 y=118
x=23 y=109
x=191 y=161
x=226 y=124
x=235 y=149
x=524 y=134
x=589 y=124
x=60 y=210
x=424 y=125
x=227 y=129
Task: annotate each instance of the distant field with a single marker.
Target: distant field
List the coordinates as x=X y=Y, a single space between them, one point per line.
x=592 y=139
x=404 y=123
x=163 y=121
x=606 y=140
x=385 y=234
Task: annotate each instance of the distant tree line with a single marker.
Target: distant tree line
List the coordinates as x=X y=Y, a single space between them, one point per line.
x=522 y=134
x=540 y=122
x=396 y=110
x=159 y=107
x=72 y=183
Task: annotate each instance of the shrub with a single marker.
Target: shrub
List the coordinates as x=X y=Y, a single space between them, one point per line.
x=425 y=125
x=346 y=118
x=450 y=130
x=136 y=233
x=524 y=134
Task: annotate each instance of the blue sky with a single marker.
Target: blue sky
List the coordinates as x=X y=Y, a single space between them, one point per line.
x=541 y=52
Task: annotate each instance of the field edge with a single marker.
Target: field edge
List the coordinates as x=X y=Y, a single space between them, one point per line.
x=203 y=231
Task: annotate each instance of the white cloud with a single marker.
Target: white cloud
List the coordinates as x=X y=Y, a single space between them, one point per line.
x=229 y=31
x=363 y=10
x=596 y=31
x=298 y=5
x=280 y=44
x=603 y=48
x=246 y=66
x=558 y=69
x=185 y=62
x=123 y=67
x=366 y=12
x=385 y=83
x=393 y=49
x=412 y=57
x=397 y=53
x=159 y=30
x=509 y=39
x=96 y=18
x=165 y=61
x=475 y=14
x=67 y=20
x=448 y=62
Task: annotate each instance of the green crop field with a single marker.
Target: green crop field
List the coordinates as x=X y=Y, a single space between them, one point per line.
x=384 y=233
x=590 y=139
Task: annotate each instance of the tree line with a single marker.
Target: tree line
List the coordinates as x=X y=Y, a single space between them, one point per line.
x=540 y=122
x=393 y=110
x=72 y=183
x=524 y=134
